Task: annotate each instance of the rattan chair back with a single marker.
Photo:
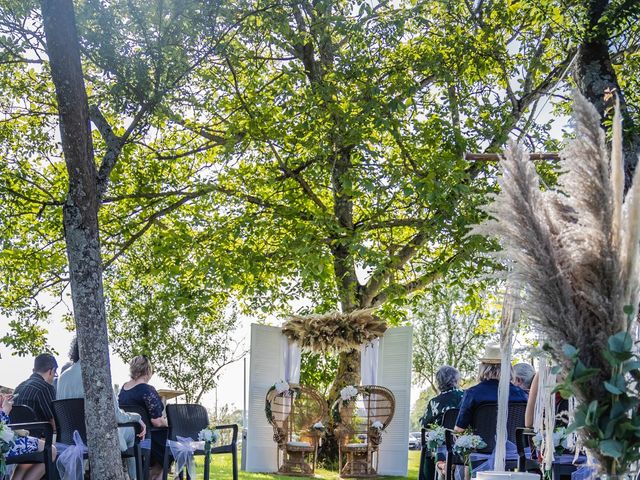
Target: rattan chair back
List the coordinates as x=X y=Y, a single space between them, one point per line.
x=293 y=413
x=373 y=405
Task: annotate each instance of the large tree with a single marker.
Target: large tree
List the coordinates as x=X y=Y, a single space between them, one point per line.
x=80 y=218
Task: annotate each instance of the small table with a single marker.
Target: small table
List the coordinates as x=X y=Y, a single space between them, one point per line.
x=167 y=394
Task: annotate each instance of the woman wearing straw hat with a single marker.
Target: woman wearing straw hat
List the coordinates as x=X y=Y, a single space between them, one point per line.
x=486 y=391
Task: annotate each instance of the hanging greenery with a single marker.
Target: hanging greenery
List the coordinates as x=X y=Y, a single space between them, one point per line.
x=338 y=332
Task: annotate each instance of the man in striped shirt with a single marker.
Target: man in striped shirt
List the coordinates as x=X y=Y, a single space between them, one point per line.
x=37 y=391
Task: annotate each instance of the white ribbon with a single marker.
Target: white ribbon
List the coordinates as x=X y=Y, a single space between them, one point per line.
x=70 y=463
x=182 y=451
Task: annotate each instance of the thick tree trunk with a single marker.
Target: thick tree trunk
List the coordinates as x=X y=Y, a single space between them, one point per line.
x=595 y=76
x=80 y=216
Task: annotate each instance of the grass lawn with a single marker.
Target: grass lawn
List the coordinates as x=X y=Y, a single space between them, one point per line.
x=221 y=470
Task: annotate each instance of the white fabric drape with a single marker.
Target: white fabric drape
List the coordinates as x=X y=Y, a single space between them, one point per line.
x=509 y=324
x=291 y=354
x=369 y=353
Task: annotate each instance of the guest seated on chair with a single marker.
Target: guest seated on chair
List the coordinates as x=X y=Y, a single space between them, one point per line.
x=486 y=391
x=447 y=379
x=70 y=386
x=137 y=391
x=38 y=391
x=523 y=374
x=23 y=445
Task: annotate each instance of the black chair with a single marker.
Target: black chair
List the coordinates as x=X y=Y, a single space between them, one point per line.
x=35 y=429
x=69 y=417
x=186 y=420
x=484 y=423
x=22 y=414
x=524 y=437
x=427 y=461
x=146 y=453
x=228 y=444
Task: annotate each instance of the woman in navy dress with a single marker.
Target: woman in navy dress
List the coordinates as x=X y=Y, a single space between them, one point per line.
x=137 y=391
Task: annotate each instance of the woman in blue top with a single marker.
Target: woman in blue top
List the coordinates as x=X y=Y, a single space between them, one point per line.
x=23 y=445
x=137 y=391
x=486 y=391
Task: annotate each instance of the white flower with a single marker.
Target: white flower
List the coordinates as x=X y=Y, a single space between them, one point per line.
x=6 y=434
x=348 y=392
x=559 y=438
x=435 y=436
x=281 y=386
x=465 y=443
x=318 y=426
x=208 y=435
x=377 y=425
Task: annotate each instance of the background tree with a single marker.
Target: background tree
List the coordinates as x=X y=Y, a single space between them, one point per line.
x=169 y=315
x=452 y=325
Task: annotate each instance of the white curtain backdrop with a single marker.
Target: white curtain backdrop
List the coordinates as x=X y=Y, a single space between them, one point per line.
x=291 y=358
x=369 y=362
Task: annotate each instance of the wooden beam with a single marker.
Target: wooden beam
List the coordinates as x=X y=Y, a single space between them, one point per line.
x=494 y=157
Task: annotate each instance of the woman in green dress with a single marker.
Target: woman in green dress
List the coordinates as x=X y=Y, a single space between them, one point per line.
x=450 y=396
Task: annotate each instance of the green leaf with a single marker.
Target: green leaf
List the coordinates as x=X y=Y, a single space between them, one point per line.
x=611 y=448
x=613 y=389
x=621 y=342
x=569 y=351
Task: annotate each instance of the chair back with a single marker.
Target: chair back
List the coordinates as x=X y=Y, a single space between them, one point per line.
x=293 y=413
x=485 y=418
x=357 y=416
x=144 y=415
x=22 y=414
x=449 y=418
x=186 y=420
x=69 y=416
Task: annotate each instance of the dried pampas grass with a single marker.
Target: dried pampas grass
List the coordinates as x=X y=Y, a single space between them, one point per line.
x=337 y=332
x=576 y=248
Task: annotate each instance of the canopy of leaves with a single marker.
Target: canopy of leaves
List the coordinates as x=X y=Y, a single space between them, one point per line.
x=307 y=150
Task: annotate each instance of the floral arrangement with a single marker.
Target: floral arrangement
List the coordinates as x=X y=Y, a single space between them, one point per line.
x=337 y=332
x=435 y=436
x=348 y=393
x=6 y=442
x=209 y=436
x=465 y=444
x=318 y=427
x=377 y=425
x=281 y=386
x=575 y=249
x=560 y=443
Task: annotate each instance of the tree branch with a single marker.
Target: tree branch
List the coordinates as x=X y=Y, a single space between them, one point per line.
x=416 y=284
x=114 y=142
x=406 y=253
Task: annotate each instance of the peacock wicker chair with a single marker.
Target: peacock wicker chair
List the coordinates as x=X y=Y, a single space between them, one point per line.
x=360 y=423
x=294 y=415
